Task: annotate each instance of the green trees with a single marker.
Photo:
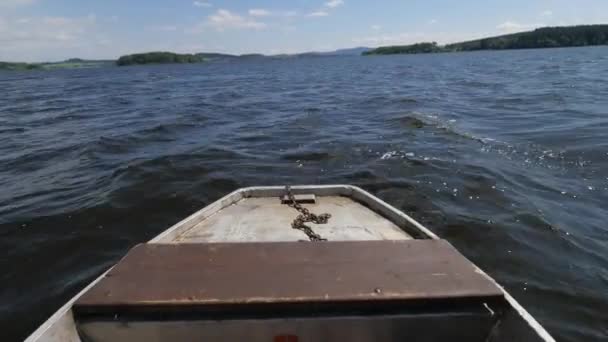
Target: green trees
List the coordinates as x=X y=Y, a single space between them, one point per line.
x=547 y=37
x=406 y=49
x=159 y=58
x=19 y=66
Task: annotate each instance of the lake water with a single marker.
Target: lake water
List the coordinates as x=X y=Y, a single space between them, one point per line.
x=503 y=153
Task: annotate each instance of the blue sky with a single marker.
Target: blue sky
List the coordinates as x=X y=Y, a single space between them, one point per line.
x=40 y=30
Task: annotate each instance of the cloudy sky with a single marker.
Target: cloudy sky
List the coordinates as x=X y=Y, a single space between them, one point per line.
x=48 y=30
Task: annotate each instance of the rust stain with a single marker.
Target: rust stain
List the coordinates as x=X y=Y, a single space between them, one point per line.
x=288 y=272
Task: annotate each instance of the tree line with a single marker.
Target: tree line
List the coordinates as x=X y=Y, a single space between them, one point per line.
x=159 y=58
x=547 y=37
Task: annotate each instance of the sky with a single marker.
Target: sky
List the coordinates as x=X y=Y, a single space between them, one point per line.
x=52 y=30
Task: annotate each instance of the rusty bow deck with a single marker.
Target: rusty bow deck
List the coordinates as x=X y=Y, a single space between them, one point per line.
x=234 y=278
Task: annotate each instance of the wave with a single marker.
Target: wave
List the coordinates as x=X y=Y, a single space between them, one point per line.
x=525 y=154
x=13 y=130
x=307 y=156
x=420 y=120
x=142 y=138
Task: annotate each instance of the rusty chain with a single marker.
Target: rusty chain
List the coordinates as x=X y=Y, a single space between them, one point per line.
x=305 y=216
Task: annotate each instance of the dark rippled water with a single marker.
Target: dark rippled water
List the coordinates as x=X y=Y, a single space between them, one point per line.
x=503 y=153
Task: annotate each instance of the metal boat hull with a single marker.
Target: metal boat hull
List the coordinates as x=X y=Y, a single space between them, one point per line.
x=256 y=215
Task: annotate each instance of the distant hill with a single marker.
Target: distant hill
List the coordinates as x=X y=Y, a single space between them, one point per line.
x=77 y=63
x=547 y=37
x=350 y=52
x=18 y=66
x=85 y=61
x=72 y=63
x=252 y=55
x=215 y=55
x=341 y=52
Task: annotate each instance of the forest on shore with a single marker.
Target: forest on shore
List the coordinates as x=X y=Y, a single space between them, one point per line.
x=546 y=37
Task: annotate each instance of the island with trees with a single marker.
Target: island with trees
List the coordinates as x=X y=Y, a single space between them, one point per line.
x=547 y=37
x=159 y=58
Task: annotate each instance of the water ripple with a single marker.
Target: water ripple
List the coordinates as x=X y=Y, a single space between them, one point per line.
x=503 y=153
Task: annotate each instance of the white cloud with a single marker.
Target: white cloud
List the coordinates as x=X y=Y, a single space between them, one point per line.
x=40 y=37
x=334 y=3
x=44 y=29
x=15 y=3
x=225 y=20
x=513 y=26
x=259 y=12
x=324 y=11
x=546 y=14
x=318 y=14
x=202 y=4
x=432 y=22
x=376 y=27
